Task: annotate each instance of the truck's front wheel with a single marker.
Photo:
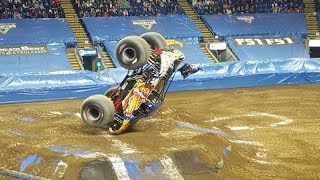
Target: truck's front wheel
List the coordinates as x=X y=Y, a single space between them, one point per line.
x=97 y=111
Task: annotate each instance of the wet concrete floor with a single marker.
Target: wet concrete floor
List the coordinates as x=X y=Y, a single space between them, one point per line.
x=244 y=133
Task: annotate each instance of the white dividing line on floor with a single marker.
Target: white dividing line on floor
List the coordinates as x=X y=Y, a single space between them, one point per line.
x=92 y=155
x=200 y=129
x=61 y=168
x=119 y=168
x=240 y=128
x=170 y=169
x=55 y=112
x=125 y=148
x=246 y=142
x=78 y=114
x=282 y=120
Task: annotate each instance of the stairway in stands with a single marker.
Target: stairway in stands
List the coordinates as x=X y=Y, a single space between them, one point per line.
x=311 y=19
x=195 y=17
x=81 y=36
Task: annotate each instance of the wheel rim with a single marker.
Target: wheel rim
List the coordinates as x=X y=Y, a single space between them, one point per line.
x=93 y=114
x=129 y=56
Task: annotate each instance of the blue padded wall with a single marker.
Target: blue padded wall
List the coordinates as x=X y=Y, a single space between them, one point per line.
x=56 y=85
x=81 y=84
x=47 y=77
x=55 y=60
x=268 y=52
x=36 y=31
x=257 y=24
x=115 y=28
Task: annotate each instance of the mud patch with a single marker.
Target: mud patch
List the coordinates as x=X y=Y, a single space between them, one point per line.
x=26 y=118
x=84 y=153
x=257 y=133
x=189 y=163
x=30 y=160
x=98 y=169
x=200 y=129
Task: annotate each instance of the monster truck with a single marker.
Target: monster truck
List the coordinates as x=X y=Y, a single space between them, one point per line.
x=151 y=66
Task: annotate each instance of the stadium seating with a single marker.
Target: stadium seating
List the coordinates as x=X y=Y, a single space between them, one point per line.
x=34 y=45
x=35 y=31
x=98 y=8
x=246 y=6
x=115 y=28
x=30 y=9
x=108 y=31
x=319 y=20
x=33 y=59
x=32 y=56
x=279 y=49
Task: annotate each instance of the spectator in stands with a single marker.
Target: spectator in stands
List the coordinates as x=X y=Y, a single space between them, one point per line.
x=246 y=6
x=30 y=9
x=317 y=5
x=94 y=8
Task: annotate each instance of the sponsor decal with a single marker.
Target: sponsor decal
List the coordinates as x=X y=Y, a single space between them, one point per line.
x=88 y=52
x=138 y=95
x=23 y=49
x=175 y=43
x=218 y=46
x=5 y=27
x=258 y=41
x=147 y=24
x=247 y=19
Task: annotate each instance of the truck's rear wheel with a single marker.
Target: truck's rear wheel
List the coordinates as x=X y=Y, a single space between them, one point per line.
x=132 y=52
x=155 y=40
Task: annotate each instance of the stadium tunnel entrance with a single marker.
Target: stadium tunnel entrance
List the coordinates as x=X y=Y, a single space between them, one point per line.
x=91 y=60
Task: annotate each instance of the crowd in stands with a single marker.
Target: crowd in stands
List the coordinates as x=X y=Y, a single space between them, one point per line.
x=94 y=8
x=30 y=9
x=317 y=2
x=246 y=6
x=104 y=8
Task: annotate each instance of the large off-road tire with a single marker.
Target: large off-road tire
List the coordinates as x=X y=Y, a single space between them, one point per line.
x=155 y=40
x=97 y=111
x=145 y=45
x=111 y=90
x=132 y=52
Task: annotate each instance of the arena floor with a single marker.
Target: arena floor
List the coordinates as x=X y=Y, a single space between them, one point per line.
x=245 y=133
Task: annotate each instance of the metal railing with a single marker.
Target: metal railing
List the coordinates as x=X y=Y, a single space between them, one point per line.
x=101 y=56
x=78 y=57
x=207 y=46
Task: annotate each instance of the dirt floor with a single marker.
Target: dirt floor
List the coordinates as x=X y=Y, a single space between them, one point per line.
x=246 y=133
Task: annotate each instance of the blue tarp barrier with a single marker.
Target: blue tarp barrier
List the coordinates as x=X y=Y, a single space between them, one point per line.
x=35 y=31
x=257 y=24
x=278 y=49
x=189 y=46
x=54 y=58
x=111 y=49
x=57 y=85
x=115 y=28
x=81 y=84
x=59 y=82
